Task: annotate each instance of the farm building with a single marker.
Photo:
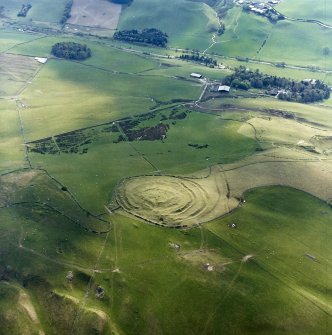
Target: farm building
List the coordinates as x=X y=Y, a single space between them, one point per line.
x=196 y=75
x=224 y=88
x=309 y=81
x=41 y=60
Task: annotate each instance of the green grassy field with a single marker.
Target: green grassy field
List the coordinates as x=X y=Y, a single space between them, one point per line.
x=187 y=26
x=173 y=155
x=105 y=96
x=315 y=39
x=321 y=10
x=12 y=152
x=278 y=282
x=41 y=11
x=263 y=269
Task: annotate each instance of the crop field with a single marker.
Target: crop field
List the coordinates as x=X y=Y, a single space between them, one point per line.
x=101 y=14
x=136 y=200
x=16 y=71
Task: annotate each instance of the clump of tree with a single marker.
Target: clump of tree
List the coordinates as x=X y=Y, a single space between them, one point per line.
x=273 y=15
x=71 y=50
x=196 y=57
x=286 y=89
x=149 y=36
x=66 y=12
x=221 y=29
x=24 y=10
x=326 y=51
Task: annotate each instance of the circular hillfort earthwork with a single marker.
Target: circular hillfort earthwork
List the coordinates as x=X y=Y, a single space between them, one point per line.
x=185 y=202
x=175 y=201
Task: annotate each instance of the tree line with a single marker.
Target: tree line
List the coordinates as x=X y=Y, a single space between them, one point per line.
x=122 y=2
x=149 y=36
x=66 y=12
x=71 y=50
x=24 y=10
x=285 y=89
x=196 y=57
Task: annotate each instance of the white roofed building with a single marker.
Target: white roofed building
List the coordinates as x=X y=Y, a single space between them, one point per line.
x=196 y=75
x=224 y=88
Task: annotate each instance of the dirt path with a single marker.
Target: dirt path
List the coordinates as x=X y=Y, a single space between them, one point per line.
x=90 y=285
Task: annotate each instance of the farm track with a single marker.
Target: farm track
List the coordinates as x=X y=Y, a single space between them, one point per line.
x=64 y=263
x=277 y=276
x=22 y=43
x=22 y=132
x=83 y=302
x=71 y=195
x=320 y=23
x=138 y=152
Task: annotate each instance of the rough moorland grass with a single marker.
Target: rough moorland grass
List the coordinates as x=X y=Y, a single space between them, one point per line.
x=13 y=316
x=172 y=201
x=309 y=174
x=322 y=115
x=279 y=131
